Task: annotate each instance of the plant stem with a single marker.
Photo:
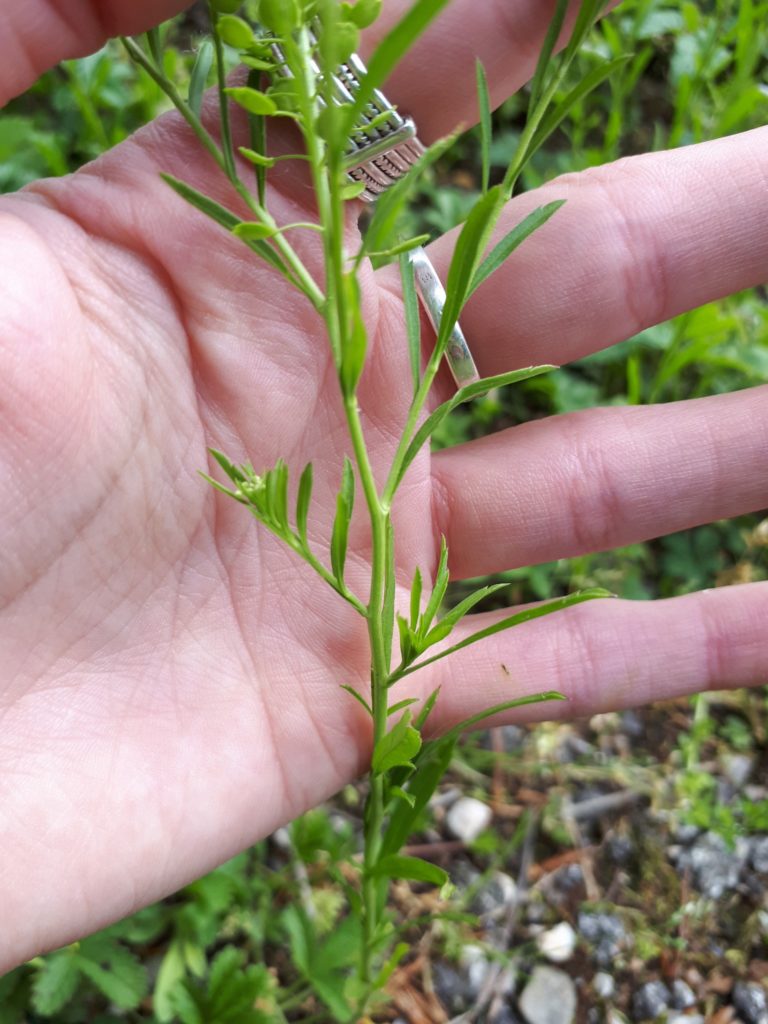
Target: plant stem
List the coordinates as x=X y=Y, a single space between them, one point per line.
x=221 y=78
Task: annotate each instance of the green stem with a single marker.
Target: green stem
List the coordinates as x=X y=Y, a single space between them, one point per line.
x=298 y=272
x=221 y=79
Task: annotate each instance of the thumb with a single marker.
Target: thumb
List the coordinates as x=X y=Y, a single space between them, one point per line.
x=36 y=34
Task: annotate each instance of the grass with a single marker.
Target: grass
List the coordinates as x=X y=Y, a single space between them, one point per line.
x=697 y=71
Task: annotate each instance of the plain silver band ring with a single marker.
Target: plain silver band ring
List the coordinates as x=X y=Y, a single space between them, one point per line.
x=432 y=295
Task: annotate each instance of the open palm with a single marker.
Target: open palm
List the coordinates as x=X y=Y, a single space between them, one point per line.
x=170 y=674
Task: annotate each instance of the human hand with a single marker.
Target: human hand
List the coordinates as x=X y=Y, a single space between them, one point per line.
x=170 y=675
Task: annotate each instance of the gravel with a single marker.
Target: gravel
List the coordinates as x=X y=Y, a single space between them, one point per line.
x=558 y=944
x=605 y=933
x=651 y=1000
x=750 y=1000
x=715 y=868
x=468 y=818
x=549 y=997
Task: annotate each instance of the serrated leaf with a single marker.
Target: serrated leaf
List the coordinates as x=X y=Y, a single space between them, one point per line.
x=55 y=982
x=486 y=130
x=397 y=747
x=302 y=503
x=412 y=318
x=199 y=77
x=512 y=241
x=114 y=970
x=412 y=868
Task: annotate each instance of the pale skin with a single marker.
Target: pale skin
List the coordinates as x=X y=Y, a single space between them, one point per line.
x=170 y=675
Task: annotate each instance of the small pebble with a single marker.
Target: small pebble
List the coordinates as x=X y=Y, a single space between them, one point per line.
x=685 y=1018
x=738 y=768
x=682 y=995
x=558 y=943
x=549 y=997
x=468 y=818
x=750 y=1000
x=759 y=854
x=604 y=985
x=498 y=892
x=651 y=1000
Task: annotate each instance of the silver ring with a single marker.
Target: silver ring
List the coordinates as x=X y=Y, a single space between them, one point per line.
x=432 y=295
x=383 y=146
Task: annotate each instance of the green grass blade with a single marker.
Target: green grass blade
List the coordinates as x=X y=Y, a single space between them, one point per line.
x=515 y=238
x=486 y=128
x=509 y=705
x=302 y=503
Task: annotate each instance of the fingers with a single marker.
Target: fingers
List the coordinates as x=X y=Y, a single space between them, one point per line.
x=599 y=479
x=636 y=243
x=37 y=34
x=607 y=655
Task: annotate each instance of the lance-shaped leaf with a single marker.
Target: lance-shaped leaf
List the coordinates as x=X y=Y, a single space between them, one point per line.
x=486 y=130
x=302 y=503
x=517 y=619
x=437 y=596
x=543 y=65
x=221 y=215
x=198 y=80
x=413 y=868
x=431 y=765
x=465 y=394
x=511 y=241
x=446 y=625
x=470 y=246
x=340 y=536
x=354 y=351
x=252 y=100
x=397 y=748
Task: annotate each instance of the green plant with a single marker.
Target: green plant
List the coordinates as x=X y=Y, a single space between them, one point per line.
x=298 y=47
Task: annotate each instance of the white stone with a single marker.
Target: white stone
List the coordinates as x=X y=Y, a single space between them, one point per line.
x=468 y=818
x=604 y=985
x=549 y=997
x=558 y=944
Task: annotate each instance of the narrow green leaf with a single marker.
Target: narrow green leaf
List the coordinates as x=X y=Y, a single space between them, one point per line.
x=486 y=129
x=402 y=704
x=416 y=599
x=426 y=711
x=554 y=118
x=199 y=77
x=252 y=100
x=235 y=474
x=431 y=765
x=353 y=190
x=172 y=971
x=413 y=868
x=155 y=45
x=469 y=250
x=224 y=490
x=256 y=64
x=456 y=614
x=358 y=697
x=509 y=705
x=224 y=217
x=277 y=495
x=545 y=54
x=518 y=619
x=384 y=255
x=408 y=647
x=302 y=503
x=465 y=394
x=438 y=591
x=397 y=747
x=412 y=319
x=511 y=241
x=390 y=52
x=257 y=133
x=340 y=534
